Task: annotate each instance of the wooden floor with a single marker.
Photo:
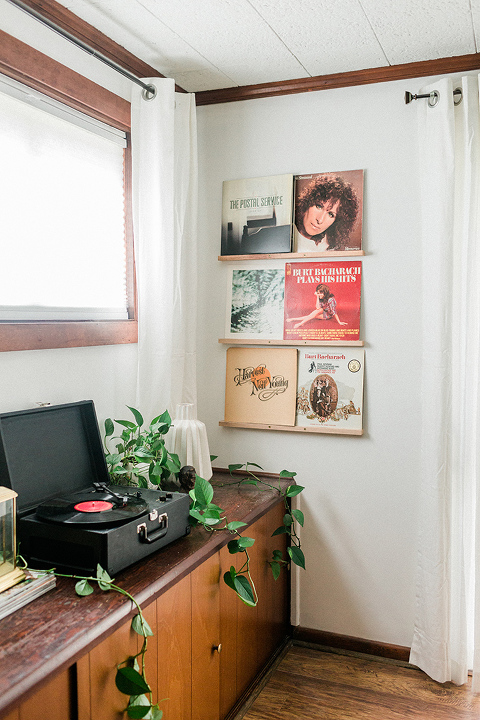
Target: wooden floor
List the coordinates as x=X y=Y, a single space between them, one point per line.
x=312 y=685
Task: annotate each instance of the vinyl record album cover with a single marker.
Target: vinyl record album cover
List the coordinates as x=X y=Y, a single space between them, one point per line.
x=328 y=212
x=322 y=301
x=257 y=215
x=330 y=388
x=255 y=300
x=261 y=385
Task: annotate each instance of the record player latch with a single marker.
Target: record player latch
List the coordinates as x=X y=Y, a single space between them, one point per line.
x=142 y=529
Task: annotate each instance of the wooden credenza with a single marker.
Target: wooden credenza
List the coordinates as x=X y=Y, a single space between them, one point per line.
x=58 y=656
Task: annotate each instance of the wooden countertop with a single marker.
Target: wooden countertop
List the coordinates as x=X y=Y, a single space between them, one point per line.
x=48 y=635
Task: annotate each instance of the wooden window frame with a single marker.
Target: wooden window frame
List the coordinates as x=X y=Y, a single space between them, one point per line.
x=33 y=68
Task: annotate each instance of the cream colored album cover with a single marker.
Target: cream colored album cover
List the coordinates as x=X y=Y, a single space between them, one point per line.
x=261 y=385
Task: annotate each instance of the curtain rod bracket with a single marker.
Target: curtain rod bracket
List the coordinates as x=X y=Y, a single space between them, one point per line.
x=434 y=97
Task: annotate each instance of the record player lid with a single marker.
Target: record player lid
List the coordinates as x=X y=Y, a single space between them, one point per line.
x=50 y=451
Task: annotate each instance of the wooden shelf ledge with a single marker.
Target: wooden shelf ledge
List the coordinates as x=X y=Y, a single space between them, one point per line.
x=293 y=256
x=292 y=428
x=294 y=343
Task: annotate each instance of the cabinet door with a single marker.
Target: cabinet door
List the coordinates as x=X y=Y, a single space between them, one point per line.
x=273 y=602
x=228 y=636
x=53 y=699
x=98 y=696
x=247 y=619
x=206 y=640
x=173 y=637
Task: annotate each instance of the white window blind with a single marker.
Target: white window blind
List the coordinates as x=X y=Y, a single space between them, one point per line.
x=62 y=227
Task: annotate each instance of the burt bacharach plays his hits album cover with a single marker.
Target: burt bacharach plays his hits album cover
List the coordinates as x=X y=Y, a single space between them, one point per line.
x=330 y=389
x=257 y=215
x=322 y=301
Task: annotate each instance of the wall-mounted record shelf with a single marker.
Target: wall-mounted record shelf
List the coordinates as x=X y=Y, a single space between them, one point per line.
x=294 y=256
x=292 y=343
x=292 y=428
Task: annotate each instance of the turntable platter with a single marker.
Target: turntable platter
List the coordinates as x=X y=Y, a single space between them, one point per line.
x=91 y=508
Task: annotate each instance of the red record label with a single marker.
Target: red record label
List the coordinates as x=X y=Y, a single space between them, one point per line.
x=93 y=506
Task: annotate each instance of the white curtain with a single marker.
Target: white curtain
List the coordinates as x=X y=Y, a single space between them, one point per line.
x=164 y=157
x=447 y=627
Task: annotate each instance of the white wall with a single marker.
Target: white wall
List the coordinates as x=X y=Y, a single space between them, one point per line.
x=361 y=492
x=106 y=374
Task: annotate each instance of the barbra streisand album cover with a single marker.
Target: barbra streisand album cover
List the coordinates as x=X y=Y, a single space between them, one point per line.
x=330 y=388
x=257 y=215
x=322 y=301
x=328 y=212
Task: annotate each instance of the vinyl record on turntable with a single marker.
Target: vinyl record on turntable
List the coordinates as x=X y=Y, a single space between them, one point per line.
x=90 y=509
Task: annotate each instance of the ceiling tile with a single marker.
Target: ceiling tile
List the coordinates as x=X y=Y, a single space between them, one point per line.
x=327 y=36
x=231 y=34
x=414 y=30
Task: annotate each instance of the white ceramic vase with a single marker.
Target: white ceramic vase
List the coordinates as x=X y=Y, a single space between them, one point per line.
x=187 y=438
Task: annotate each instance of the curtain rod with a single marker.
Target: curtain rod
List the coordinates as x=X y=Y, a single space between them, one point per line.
x=149 y=91
x=434 y=97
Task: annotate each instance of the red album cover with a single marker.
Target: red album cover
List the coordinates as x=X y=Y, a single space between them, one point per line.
x=322 y=301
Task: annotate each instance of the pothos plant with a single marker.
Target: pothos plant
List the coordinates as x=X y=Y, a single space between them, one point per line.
x=205 y=512
x=140 y=454
x=141 y=457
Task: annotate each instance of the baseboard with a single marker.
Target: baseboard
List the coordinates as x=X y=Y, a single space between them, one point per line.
x=352 y=644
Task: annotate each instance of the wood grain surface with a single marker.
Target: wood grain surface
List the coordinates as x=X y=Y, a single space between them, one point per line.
x=44 y=638
x=313 y=685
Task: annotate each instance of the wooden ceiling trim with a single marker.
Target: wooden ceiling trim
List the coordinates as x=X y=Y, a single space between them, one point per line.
x=425 y=68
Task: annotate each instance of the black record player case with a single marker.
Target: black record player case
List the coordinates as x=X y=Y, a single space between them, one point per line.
x=55 y=452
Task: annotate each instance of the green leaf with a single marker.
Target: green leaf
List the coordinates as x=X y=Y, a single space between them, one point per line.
x=287 y=473
x=141 y=627
x=109 y=427
x=213 y=457
x=240 y=585
x=249 y=464
x=293 y=490
x=277 y=555
x=235 y=525
x=203 y=491
x=276 y=569
x=138 y=706
x=173 y=466
x=280 y=531
x=287 y=520
x=297 y=555
x=250 y=482
x=245 y=542
x=299 y=516
x=233 y=547
x=127 y=424
x=138 y=417
x=156 y=713
x=130 y=682
x=244 y=590
x=83 y=588
x=103 y=578
x=235 y=467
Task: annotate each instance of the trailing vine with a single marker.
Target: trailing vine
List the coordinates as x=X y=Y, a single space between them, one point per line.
x=130 y=677
x=205 y=512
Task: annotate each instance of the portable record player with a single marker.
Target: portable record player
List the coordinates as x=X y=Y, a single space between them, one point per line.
x=69 y=516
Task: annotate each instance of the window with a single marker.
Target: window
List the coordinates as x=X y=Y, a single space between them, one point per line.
x=65 y=228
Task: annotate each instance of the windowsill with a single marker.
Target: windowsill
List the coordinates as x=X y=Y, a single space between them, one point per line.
x=66 y=334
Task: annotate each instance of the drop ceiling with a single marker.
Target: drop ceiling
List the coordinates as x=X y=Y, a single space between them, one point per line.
x=212 y=44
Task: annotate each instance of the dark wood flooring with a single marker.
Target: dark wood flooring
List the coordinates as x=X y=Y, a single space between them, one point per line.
x=309 y=684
